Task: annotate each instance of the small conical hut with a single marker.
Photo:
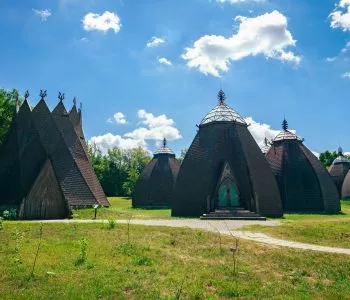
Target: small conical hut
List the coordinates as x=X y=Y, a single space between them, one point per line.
x=305 y=185
x=339 y=169
x=156 y=183
x=224 y=171
x=44 y=166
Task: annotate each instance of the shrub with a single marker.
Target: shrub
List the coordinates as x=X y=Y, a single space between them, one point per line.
x=83 y=252
x=111 y=224
x=10 y=214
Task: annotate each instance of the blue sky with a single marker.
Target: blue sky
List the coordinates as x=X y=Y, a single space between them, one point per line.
x=279 y=58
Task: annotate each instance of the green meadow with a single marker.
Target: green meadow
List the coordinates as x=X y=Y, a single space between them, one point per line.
x=112 y=261
x=327 y=230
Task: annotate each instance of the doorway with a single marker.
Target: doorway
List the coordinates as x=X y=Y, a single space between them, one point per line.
x=228 y=194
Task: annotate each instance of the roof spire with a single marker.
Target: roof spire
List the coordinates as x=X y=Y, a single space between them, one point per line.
x=221 y=96
x=43 y=94
x=285 y=124
x=164 y=142
x=75 y=101
x=266 y=141
x=60 y=96
x=340 y=151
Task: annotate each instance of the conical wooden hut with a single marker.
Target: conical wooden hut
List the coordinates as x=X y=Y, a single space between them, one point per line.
x=156 y=183
x=339 y=169
x=305 y=185
x=224 y=173
x=44 y=166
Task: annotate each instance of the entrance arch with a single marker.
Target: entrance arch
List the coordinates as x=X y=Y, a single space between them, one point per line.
x=228 y=196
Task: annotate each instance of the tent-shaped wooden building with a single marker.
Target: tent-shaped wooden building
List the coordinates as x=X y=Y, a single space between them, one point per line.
x=224 y=173
x=44 y=166
x=305 y=184
x=156 y=183
x=339 y=169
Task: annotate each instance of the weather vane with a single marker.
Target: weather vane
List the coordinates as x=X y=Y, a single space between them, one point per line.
x=43 y=94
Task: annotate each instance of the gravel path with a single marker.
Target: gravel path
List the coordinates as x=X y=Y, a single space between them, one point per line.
x=229 y=227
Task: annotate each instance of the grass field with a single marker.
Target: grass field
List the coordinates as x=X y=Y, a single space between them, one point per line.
x=329 y=230
x=121 y=208
x=156 y=263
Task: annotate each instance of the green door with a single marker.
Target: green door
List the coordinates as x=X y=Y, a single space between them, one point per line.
x=228 y=195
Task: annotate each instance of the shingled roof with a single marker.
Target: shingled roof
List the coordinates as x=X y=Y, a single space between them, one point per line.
x=338 y=171
x=223 y=144
x=304 y=183
x=156 y=183
x=44 y=163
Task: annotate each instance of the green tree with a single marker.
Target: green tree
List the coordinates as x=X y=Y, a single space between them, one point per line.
x=182 y=155
x=7 y=111
x=118 y=170
x=138 y=159
x=328 y=157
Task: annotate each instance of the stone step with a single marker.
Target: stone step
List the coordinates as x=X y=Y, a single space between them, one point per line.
x=232 y=214
x=251 y=218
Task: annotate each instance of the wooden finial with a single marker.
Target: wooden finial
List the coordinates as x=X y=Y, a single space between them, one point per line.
x=266 y=141
x=221 y=96
x=340 y=151
x=60 y=96
x=285 y=125
x=43 y=94
x=26 y=95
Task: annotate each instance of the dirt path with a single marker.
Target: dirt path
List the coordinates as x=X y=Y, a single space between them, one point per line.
x=229 y=227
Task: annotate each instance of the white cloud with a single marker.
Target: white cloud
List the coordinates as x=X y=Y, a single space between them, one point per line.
x=238 y=1
x=108 y=20
x=153 y=128
x=261 y=130
x=346 y=75
x=343 y=51
x=155 y=42
x=266 y=35
x=346 y=48
x=118 y=118
x=44 y=14
x=165 y=61
x=330 y=59
x=316 y=154
x=340 y=17
x=109 y=141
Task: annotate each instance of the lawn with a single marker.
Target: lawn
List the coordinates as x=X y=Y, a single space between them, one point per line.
x=121 y=208
x=158 y=262
x=328 y=230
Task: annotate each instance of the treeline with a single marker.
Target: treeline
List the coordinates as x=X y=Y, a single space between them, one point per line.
x=328 y=157
x=118 y=170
